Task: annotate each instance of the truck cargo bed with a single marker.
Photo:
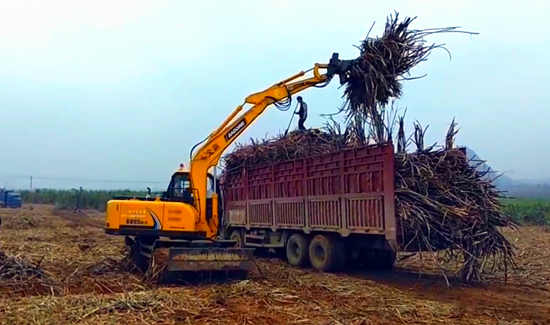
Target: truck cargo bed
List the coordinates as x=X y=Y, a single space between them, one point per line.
x=346 y=192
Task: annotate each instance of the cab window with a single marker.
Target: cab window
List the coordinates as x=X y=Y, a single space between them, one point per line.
x=209 y=186
x=180 y=186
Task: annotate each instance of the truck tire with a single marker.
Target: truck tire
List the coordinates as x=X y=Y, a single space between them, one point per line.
x=326 y=253
x=237 y=236
x=297 y=250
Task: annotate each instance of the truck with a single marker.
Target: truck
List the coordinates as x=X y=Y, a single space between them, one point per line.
x=10 y=199
x=324 y=211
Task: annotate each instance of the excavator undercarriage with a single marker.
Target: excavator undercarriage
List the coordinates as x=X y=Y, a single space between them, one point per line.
x=191 y=255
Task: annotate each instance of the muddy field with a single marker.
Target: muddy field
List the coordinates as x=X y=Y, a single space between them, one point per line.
x=64 y=269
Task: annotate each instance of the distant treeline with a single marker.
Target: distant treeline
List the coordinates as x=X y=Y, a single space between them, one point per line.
x=76 y=198
x=521 y=189
x=529 y=191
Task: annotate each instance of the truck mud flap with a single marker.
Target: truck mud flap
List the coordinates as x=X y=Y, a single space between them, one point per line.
x=210 y=259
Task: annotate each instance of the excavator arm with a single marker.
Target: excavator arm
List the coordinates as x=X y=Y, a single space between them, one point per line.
x=208 y=155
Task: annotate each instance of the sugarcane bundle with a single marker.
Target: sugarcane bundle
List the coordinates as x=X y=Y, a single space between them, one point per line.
x=444 y=203
x=383 y=63
x=294 y=145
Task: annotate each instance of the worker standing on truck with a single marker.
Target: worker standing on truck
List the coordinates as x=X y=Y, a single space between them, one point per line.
x=302 y=113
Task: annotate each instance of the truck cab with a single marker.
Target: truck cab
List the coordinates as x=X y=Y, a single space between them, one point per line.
x=10 y=199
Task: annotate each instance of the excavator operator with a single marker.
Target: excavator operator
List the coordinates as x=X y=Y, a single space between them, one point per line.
x=181 y=187
x=302 y=113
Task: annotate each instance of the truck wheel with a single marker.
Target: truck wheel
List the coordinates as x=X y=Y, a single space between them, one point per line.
x=237 y=236
x=326 y=254
x=297 y=250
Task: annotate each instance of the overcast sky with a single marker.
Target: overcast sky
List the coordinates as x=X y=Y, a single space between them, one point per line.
x=116 y=90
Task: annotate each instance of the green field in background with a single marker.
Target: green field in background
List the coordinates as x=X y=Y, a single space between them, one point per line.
x=528 y=210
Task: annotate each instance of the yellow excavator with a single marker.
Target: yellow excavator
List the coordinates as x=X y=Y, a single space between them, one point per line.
x=186 y=219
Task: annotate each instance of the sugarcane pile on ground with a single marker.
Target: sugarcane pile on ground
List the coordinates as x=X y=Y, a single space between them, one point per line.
x=15 y=267
x=19 y=274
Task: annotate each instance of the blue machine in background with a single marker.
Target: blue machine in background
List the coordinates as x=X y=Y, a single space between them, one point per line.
x=10 y=199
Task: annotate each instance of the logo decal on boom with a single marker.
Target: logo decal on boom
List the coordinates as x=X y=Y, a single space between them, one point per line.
x=235 y=130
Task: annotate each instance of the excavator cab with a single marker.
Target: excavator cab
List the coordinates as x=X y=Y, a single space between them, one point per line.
x=179 y=189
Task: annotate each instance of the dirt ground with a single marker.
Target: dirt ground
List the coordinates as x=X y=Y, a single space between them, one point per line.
x=60 y=268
